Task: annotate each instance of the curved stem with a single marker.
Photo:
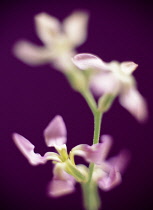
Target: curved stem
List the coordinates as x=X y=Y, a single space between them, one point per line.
x=90 y=100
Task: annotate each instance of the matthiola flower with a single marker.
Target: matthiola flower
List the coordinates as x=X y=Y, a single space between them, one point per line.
x=66 y=173
x=60 y=40
x=114 y=78
x=107 y=173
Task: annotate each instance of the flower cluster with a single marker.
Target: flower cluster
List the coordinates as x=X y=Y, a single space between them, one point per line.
x=91 y=77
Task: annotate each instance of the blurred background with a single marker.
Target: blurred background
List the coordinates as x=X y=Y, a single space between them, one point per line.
x=31 y=96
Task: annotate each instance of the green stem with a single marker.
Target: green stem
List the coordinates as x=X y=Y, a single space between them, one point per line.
x=90 y=189
x=97 y=126
x=90 y=100
x=91 y=196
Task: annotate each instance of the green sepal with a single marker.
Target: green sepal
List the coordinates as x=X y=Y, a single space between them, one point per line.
x=77 y=80
x=105 y=102
x=72 y=169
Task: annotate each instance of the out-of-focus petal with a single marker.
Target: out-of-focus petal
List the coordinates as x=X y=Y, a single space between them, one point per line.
x=27 y=150
x=86 y=61
x=95 y=153
x=106 y=143
x=60 y=187
x=120 y=161
x=62 y=183
x=128 y=67
x=55 y=133
x=111 y=179
x=63 y=62
x=47 y=27
x=31 y=54
x=133 y=101
x=112 y=170
x=104 y=83
x=75 y=27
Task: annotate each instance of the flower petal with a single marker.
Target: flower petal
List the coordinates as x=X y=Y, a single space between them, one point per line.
x=60 y=188
x=27 y=150
x=95 y=153
x=86 y=61
x=128 y=67
x=120 y=161
x=104 y=83
x=62 y=183
x=133 y=101
x=31 y=54
x=110 y=180
x=75 y=27
x=112 y=170
x=55 y=133
x=47 y=27
x=52 y=156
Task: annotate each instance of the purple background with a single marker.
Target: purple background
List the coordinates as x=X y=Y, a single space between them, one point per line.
x=31 y=97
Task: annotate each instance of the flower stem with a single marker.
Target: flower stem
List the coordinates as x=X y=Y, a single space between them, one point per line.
x=90 y=100
x=90 y=189
x=91 y=197
x=97 y=126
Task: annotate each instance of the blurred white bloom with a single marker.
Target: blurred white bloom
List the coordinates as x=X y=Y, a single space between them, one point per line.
x=60 y=40
x=114 y=78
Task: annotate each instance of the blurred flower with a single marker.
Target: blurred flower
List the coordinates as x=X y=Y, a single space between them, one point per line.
x=116 y=79
x=107 y=173
x=60 y=40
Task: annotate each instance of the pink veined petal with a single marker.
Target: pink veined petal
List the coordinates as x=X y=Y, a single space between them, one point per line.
x=134 y=102
x=47 y=27
x=27 y=150
x=55 y=133
x=104 y=83
x=75 y=27
x=110 y=180
x=128 y=67
x=62 y=183
x=31 y=54
x=86 y=61
x=95 y=153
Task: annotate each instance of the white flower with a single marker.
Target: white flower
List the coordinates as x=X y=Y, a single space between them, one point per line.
x=66 y=172
x=114 y=78
x=60 y=40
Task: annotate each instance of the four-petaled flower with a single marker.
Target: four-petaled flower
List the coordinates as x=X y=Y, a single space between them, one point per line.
x=60 y=40
x=107 y=173
x=116 y=79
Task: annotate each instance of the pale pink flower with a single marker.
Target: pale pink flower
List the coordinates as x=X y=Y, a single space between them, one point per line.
x=66 y=172
x=114 y=78
x=107 y=173
x=60 y=40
